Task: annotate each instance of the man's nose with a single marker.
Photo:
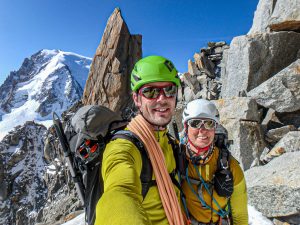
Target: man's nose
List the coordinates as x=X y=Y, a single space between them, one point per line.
x=161 y=96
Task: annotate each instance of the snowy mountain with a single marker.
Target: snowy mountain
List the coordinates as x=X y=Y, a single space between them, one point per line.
x=49 y=81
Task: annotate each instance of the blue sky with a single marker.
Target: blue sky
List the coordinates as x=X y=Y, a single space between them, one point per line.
x=174 y=29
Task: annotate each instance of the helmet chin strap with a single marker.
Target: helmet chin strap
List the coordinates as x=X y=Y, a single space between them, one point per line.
x=200 y=150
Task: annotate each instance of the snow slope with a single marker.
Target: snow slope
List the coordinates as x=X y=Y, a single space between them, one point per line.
x=255 y=218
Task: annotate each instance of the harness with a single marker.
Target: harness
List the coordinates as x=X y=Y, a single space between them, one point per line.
x=217 y=185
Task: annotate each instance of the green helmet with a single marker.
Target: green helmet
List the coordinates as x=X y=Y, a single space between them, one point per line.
x=153 y=69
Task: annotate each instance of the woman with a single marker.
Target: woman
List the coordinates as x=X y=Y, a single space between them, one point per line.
x=215 y=192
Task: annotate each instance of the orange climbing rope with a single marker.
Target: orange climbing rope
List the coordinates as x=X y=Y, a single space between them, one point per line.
x=170 y=202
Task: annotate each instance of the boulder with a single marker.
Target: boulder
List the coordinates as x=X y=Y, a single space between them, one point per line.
x=239 y=108
x=290 y=142
x=192 y=68
x=274 y=189
x=188 y=94
x=204 y=64
x=286 y=16
x=248 y=142
x=275 y=135
x=202 y=79
x=178 y=118
x=108 y=82
x=271 y=121
x=282 y=91
x=273 y=153
x=192 y=82
x=253 y=59
x=289 y=118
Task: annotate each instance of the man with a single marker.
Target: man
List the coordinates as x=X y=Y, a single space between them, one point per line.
x=154 y=83
x=215 y=194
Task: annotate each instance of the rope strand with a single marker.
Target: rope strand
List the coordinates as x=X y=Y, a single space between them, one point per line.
x=143 y=129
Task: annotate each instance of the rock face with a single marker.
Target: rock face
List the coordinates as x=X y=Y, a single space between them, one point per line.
x=262 y=16
x=274 y=189
x=259 y=105
x=264 y=66
x=286 y=16
x=108 y=82
x=23 y=191
x=279 y=15
x=282 y=91
x=248 y=142
x=61 y=199
x=251 y=60
x=240 y=117
x=240 y=108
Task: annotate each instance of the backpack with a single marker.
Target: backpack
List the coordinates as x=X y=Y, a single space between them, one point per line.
x=223 y=178
x=83 y=140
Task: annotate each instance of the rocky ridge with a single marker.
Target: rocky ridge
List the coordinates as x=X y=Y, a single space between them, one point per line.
x=22 y=187
x=259 y=106
x=108 y=82
x=266 y=140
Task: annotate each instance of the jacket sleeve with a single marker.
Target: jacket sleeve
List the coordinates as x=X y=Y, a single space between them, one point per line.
x=238 y=200
x=121 y=202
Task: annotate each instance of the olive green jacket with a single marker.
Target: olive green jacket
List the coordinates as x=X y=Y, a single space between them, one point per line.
x=122 y=201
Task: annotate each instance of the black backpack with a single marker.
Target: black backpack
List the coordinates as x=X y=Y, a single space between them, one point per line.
x=223 y=178
x=83 y=140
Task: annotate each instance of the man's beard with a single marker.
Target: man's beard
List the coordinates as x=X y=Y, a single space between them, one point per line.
x=157 y=121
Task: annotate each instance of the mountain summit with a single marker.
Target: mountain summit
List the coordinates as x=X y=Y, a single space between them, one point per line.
x=49 y=81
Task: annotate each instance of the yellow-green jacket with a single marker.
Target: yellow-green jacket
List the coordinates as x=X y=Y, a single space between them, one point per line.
x=238 y=200
x=122 y=201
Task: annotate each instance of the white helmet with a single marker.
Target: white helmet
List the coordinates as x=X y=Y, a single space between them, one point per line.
x=200 y=108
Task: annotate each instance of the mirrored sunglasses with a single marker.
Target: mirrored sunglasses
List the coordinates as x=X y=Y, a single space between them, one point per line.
x=150 y=92
x=197 y=124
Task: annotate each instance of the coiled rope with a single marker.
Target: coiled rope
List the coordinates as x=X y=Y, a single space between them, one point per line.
x=145 y=132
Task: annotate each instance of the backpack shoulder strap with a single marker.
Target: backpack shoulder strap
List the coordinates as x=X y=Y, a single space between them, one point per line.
x=179 y=154
x=146 y=173
x=224 y=158
x=223 y=179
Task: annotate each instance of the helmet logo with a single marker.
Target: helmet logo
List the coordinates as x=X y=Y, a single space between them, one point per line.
x=169 y=65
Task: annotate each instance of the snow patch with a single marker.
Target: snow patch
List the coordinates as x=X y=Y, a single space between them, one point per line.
x=78 y=220
x=257 y=218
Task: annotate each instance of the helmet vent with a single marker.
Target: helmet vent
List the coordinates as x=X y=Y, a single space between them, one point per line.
x=136 y=78
x=169 y=65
